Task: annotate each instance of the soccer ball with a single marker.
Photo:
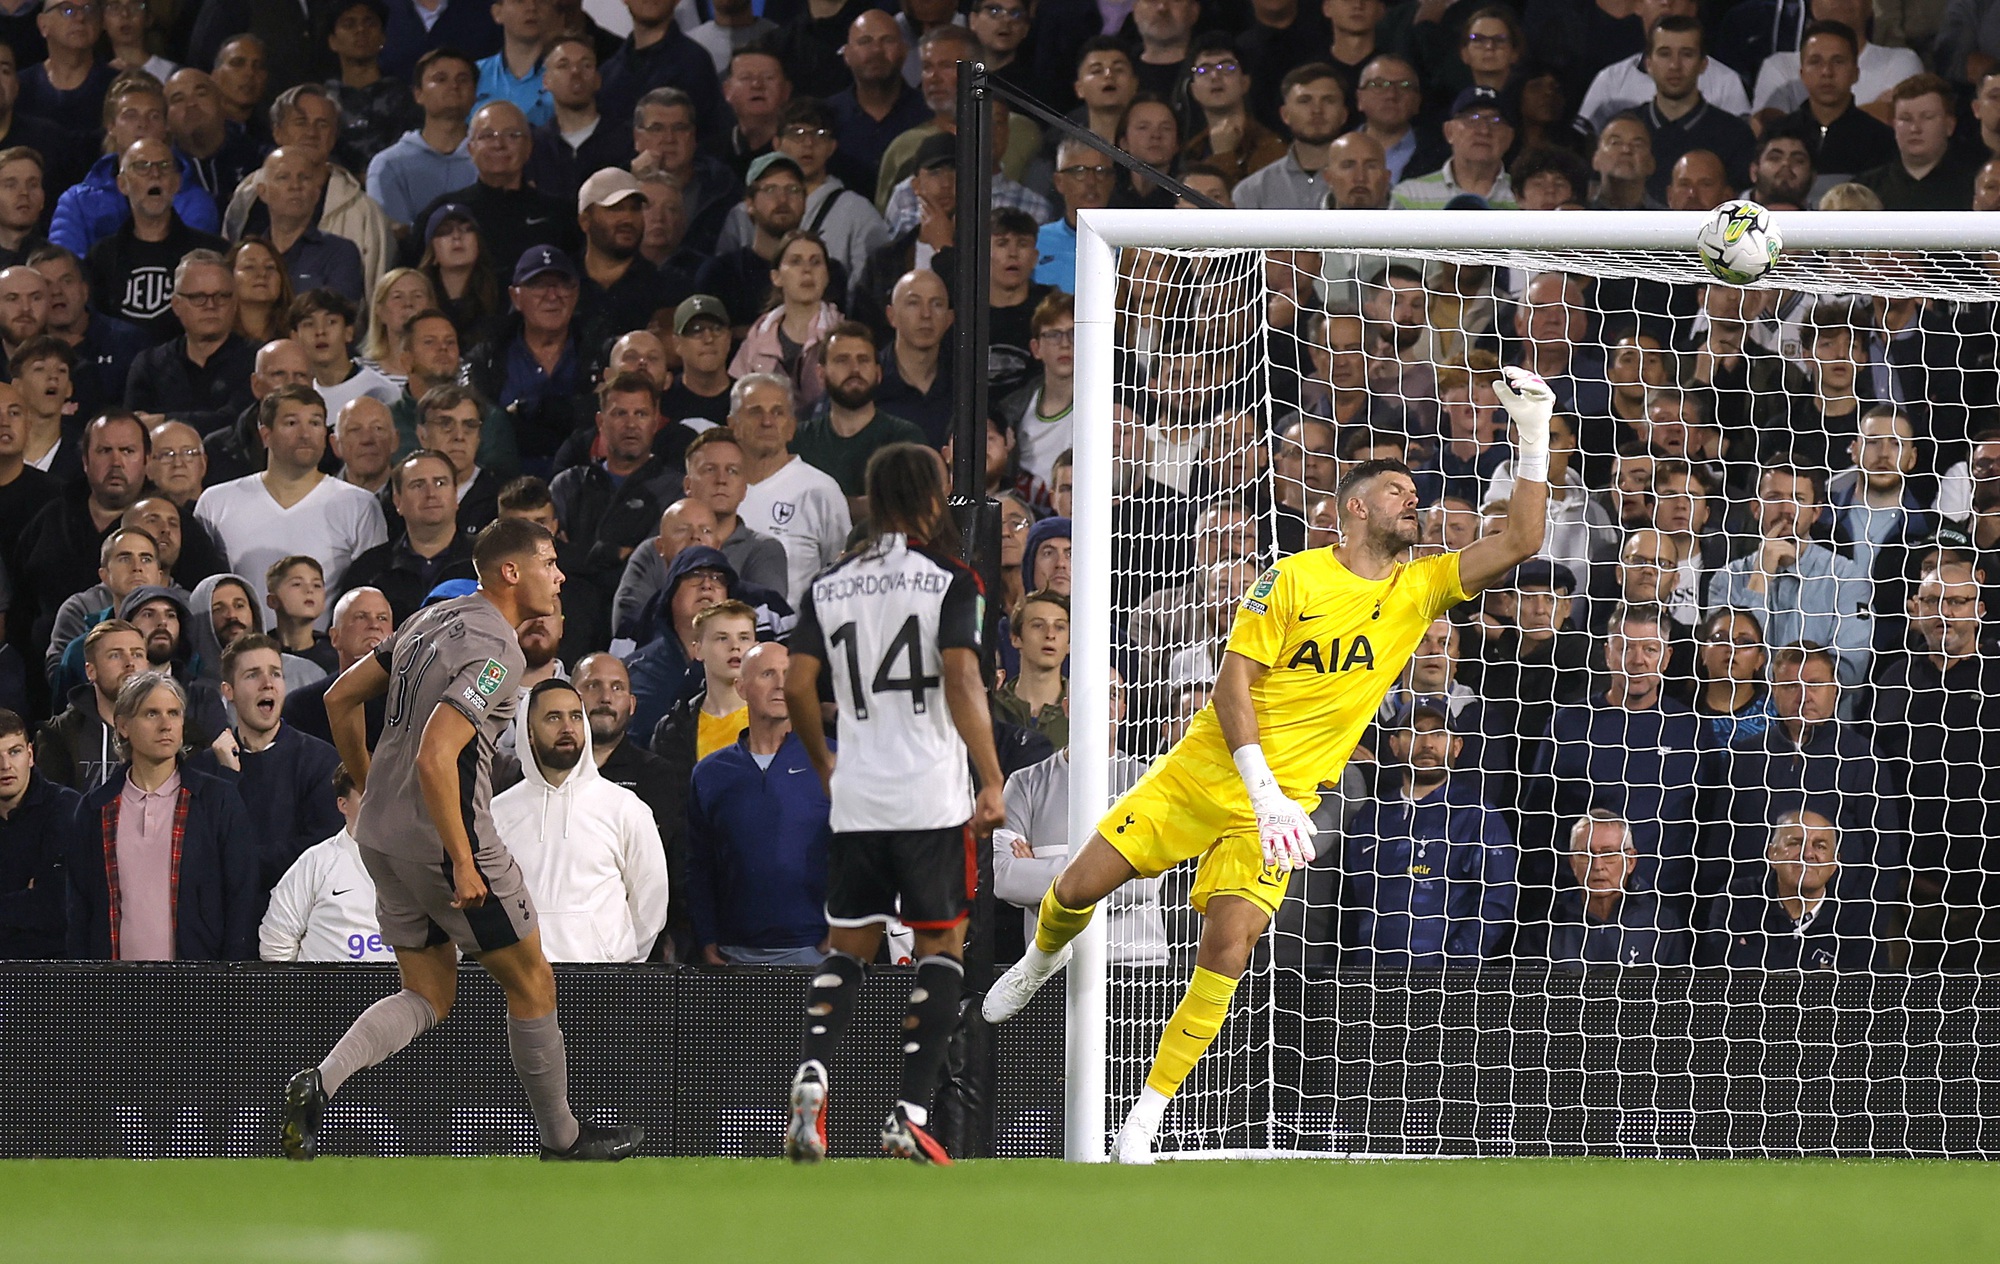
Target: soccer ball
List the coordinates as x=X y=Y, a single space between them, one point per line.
x=1739 y=243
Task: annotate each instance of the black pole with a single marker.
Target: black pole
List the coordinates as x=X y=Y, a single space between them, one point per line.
x=966 y=1099
x=972 y=266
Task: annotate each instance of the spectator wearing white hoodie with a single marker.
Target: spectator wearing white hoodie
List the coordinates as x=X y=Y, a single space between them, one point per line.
x=589 y=849
x=323 y=909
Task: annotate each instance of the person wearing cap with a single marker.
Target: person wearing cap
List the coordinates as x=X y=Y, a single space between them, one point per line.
x=1680 y=118
x=579 y=139
x=1625 y=84
x=699 y=396
x=434 y=159
x=1430 y=864
x=533 y=365
x=515 y=72
x=512 y=214
x=1479 y=132
x=904 y=208
x=666 y=669
x=619 y=286
x=844 y=218
x=774 y=198
x=1314 y=108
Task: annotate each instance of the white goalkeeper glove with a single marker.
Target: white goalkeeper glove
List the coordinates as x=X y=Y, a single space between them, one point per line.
x=1283 y=828
x=1529 y=402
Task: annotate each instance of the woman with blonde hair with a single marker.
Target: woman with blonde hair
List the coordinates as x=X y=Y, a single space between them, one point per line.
x=786 y=337
x=263 y=291
x=399 y=295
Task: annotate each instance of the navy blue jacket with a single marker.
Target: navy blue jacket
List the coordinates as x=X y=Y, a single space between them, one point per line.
x=469 y=28
x=757 y=843
x=1644 y=933
x=1432 y=882
x=31 y=871
x=1835 y=771
x=662 y=673
x=674 y=61
x=1639 y=764
x=220 y=901
x=1752 y=929
x=287 y=792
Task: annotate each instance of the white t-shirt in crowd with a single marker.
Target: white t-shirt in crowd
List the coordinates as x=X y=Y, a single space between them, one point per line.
x=335 y=522
x=365 y=381
x=803 y=509
x=1881 y=69
x=1039 y=440
x=323 y=909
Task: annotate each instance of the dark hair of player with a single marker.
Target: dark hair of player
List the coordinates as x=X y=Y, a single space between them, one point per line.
x=547 y=686
x=905 y=484
x=506 y=540
x=1360 y=475
x=526 y=494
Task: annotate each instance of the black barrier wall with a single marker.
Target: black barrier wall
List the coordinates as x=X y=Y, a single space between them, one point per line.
x=186 y=1060
x=1631 y=1063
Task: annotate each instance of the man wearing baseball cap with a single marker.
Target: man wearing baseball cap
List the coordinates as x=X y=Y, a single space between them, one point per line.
x=1480 y=132
x=774 y=196
x=699 y=396
x=534 y=368
x=611 y=211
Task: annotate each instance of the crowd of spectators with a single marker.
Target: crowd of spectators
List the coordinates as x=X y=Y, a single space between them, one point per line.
x=296 y=300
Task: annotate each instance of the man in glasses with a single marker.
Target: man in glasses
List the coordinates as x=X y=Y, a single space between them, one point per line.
x=1085 y=179
x=1231 y=138
x=131 y=272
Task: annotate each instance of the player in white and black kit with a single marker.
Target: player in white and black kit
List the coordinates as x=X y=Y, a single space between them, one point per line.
x=897 y=623
x=444 y=882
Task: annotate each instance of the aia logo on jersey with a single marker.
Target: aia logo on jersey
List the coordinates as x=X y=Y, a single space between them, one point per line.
x=782 y=511
x=1360 y=656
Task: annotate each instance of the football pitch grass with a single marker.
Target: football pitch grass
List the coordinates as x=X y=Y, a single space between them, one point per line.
x=442 y=1211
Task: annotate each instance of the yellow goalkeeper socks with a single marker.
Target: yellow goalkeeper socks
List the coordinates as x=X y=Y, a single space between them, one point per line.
x=1190 y=1029
x=1056 y=925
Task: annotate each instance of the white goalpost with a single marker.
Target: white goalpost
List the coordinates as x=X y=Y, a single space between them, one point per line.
x=1326 y=1058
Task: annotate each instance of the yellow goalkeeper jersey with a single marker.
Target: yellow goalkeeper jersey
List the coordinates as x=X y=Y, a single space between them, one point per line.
x=1335 y=643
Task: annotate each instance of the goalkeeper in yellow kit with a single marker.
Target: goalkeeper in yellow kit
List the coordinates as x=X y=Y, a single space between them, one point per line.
x=1316 y=644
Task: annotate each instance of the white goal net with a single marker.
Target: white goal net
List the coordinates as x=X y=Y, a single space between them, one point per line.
x=1682 y=841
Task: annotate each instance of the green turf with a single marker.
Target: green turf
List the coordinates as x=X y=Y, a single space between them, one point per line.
x=441 y=1211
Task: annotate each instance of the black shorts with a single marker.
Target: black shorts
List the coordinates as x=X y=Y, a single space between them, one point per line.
x=934 y=871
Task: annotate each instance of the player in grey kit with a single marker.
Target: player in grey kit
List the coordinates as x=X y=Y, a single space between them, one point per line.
x=442 y=876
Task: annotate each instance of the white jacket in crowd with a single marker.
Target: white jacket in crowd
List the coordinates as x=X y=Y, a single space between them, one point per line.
x=323 y=909
x=592 y=857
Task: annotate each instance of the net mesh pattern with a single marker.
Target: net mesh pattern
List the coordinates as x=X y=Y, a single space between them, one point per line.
x=1744 y=694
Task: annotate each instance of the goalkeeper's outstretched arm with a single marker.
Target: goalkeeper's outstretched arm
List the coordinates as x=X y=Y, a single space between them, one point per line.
x=1529 y=402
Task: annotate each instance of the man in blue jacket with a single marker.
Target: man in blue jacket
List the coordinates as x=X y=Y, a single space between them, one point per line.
x=92 y=210
x=1430 y=866
x=284 y=776
x=758 y=829
x=663 y=668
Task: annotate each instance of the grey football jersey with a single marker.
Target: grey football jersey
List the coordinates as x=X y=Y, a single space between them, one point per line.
x=463 y=654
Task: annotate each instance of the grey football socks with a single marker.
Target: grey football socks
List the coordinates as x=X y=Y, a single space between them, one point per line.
x=537 y=1048
x=383 y=1028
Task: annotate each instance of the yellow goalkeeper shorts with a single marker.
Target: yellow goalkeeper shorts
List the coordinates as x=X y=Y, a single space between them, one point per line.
x=1180 y=810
